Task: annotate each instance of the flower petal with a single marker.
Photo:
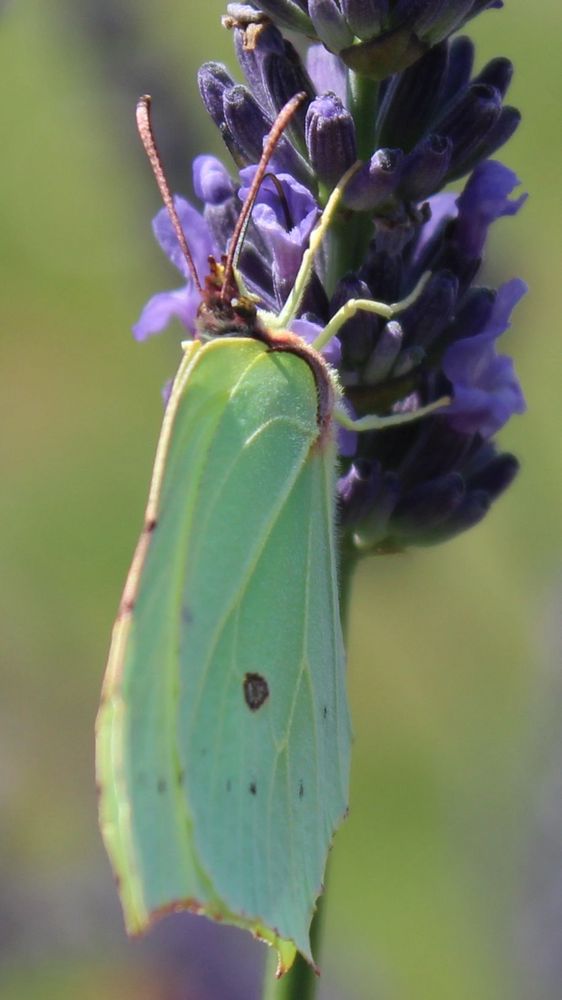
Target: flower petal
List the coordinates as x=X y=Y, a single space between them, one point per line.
x=327 y=72
x=486 y=390
x=182 y=303
x=211 y=180
x=485 y=199
x=196 y=233
x=284 y=224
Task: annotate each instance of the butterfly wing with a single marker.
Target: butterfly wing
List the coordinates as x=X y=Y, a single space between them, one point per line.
x=223 y=735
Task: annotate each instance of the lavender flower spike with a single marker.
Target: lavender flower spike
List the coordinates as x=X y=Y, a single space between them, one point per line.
x=430 y=122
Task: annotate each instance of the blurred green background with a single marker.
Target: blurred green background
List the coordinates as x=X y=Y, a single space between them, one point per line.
x=446 y=881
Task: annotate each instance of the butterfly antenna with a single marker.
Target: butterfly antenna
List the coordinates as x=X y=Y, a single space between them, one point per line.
x=287 y=112
x=144 y=125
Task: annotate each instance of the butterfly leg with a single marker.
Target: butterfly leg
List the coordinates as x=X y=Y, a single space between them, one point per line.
x=372 y=422
x=350 y=308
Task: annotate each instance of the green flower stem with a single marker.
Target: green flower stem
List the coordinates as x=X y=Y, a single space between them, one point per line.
x=352 y=231
x=301 y=982
x=363 y=102
x=349 y=239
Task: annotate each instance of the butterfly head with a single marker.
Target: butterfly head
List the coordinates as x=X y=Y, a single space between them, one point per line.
x=224 y=308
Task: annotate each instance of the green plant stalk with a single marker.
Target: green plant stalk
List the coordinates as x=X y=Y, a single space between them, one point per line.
x=363 y=101
x=301 y=981
x=351 y=232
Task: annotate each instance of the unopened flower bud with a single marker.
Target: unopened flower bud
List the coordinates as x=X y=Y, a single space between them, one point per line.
x=330 y=138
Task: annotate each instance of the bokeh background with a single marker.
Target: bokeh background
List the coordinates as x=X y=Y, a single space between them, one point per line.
x=446 y=882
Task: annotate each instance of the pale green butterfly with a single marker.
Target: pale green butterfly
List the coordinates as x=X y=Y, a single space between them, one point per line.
x=223 y=736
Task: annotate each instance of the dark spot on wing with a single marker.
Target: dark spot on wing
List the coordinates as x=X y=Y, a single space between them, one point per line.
x=325 y=711
x=256 y=691
x=253 y=788
x=150 y=525
x=161 y=786
x=301 y=789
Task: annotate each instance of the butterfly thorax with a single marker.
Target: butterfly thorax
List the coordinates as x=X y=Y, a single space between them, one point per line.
x=226 y=312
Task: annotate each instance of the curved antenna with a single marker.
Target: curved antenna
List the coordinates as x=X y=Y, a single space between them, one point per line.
x=144 y=126
x=287 y=112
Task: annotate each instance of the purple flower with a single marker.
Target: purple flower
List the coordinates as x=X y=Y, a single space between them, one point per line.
x=327 y=72
x=424 y=483
x=375 y=182
x=486 y=391
x=284 y=223
x=330 y=138
x=211 y=180
x=182 y=303
x=485 y=199
x=444 y=119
